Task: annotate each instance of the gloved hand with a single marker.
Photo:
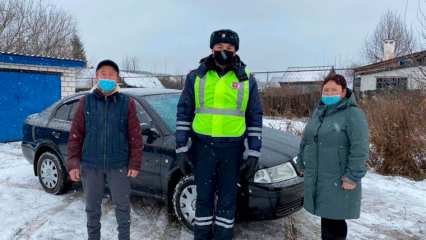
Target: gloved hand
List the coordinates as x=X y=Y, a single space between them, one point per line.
x=184 y=163
x=249 y=167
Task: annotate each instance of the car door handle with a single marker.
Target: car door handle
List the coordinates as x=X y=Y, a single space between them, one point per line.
x=56 y=134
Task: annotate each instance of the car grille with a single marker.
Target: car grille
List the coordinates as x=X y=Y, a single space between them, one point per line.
x=288 y=208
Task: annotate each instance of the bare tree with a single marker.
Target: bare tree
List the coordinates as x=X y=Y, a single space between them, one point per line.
x=421 y=60
x=130 y=63
x=422 y=19
x=33 y=27
x=391 y=26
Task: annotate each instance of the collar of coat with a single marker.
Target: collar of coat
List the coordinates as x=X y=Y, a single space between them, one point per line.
x=112 y=96
x=208 y=63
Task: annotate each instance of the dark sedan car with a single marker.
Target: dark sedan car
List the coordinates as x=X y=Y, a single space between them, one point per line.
x=275 y=191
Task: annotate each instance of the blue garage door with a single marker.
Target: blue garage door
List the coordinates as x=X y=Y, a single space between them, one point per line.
x=22 y=94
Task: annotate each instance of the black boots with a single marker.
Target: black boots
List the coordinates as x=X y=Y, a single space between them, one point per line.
x=333 y=229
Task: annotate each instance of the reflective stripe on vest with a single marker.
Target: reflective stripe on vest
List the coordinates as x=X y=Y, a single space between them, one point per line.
x=222 y=112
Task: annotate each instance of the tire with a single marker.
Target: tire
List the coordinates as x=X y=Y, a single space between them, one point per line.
x=51 y=173
x=184 y=198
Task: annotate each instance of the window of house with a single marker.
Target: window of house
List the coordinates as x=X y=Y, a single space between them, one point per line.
x=391 y=83
x=357 y=82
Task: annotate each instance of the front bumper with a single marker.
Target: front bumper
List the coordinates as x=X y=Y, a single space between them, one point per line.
x=271 y=201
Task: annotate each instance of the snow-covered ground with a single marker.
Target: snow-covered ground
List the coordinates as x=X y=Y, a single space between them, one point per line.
x=393 y=208
x=288 y=125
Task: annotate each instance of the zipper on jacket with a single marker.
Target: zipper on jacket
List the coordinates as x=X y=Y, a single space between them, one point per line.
x=316 y=140
x=105 y=125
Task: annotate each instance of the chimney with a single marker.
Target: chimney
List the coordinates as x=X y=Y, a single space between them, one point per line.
x=388 y=49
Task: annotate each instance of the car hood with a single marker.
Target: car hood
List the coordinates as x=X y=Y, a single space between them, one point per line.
x=277 y=147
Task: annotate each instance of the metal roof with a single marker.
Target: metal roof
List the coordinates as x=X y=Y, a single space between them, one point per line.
x=406 y=61
x=310 y=74
x=17 y=58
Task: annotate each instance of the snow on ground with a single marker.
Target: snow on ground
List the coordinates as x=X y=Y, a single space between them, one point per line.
x=293 y=126
x=27 y=212
x=392 y=208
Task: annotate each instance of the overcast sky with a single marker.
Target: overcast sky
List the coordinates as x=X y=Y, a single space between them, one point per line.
x=171 y=36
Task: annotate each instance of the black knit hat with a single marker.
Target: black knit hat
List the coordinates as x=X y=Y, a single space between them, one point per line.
x=108 y=62
x=225 y=36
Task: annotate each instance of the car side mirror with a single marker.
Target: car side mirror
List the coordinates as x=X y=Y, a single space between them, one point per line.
x=154 y=132
x=146 y=128
x=151 y=132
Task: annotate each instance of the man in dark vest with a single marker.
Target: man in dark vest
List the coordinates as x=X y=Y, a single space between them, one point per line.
x=105 y=147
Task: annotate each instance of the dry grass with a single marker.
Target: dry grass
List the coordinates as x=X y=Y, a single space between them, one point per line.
x=397 y=123
x=284 y=102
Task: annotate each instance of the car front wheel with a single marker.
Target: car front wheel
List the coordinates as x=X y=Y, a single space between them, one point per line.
x=184 y=199
x=51 y=174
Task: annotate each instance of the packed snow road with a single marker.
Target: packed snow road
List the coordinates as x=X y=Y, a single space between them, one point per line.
x=393 y=208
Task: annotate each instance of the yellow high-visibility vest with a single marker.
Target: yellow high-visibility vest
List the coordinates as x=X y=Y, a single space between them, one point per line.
x=220 y=105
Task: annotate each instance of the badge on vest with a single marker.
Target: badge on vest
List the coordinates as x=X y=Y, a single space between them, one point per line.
x=235 y=85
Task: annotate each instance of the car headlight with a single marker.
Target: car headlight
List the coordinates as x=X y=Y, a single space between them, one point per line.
x=275 y=174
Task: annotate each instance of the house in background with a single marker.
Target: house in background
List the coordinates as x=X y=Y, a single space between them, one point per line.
x=303 y=80
x=403 y=73
x=86 y=79
x=140 y=80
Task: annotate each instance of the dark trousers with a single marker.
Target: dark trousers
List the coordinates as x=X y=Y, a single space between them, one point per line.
x=94 y=185
x=216 y=172
x=333 y=229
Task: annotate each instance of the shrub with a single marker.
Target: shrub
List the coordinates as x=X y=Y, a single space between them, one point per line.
x=282 y=102
x=397 y=133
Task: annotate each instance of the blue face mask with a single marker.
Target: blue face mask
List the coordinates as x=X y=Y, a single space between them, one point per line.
x=330 y=100
x=106 y=85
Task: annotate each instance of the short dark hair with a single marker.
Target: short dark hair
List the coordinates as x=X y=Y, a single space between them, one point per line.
x=110 y=63
x=337 y=78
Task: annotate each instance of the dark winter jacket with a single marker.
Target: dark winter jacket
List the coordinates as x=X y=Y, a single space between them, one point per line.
x=186 y=110
x=105 y=133
x=334 y=145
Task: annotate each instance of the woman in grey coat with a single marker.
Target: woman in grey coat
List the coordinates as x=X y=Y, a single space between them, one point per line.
x=332 y=158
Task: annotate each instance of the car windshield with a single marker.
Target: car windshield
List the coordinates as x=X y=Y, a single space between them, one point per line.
x=165 y=105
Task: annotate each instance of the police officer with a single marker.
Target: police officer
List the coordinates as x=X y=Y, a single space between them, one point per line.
x=219 y=108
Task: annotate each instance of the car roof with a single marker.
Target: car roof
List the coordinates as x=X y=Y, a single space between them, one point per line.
x=147 y=91
x=137 y=92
